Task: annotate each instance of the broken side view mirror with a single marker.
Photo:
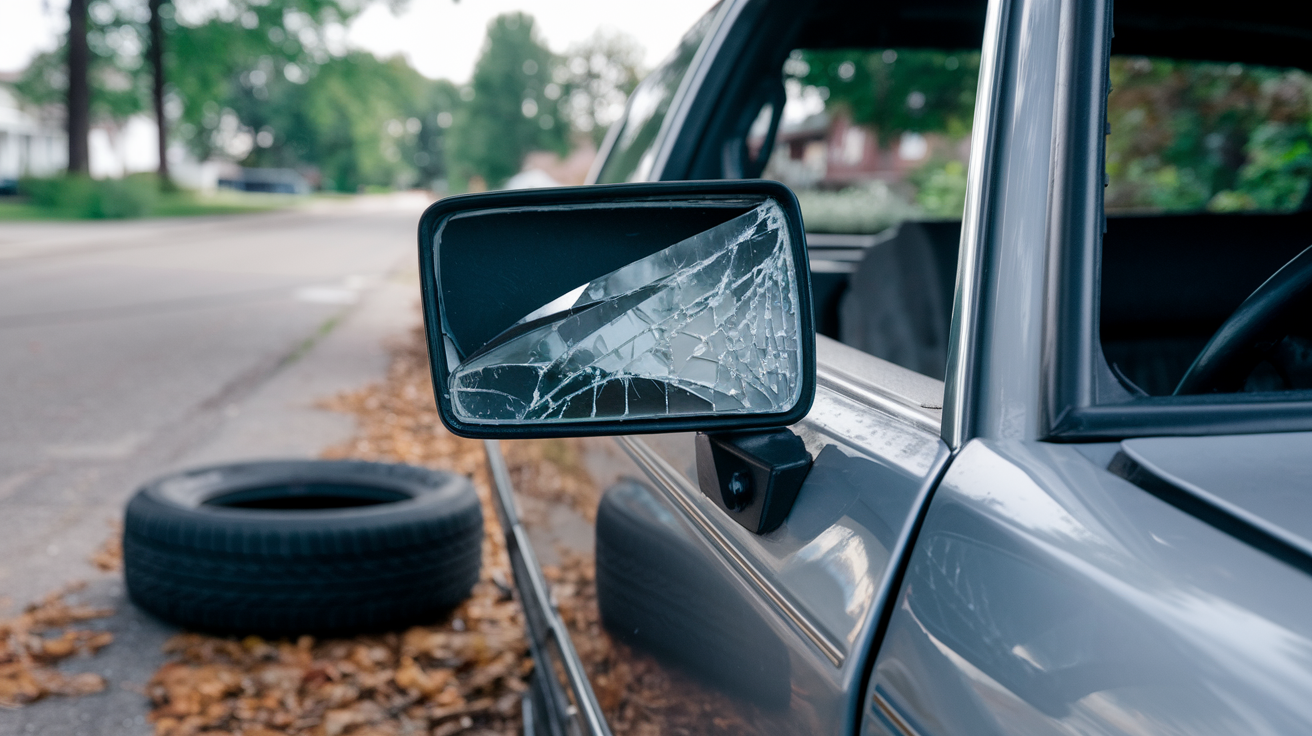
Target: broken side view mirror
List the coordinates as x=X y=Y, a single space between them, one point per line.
x=624 y=309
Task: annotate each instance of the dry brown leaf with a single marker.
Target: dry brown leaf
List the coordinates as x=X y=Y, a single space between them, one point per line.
x=464 y=672
x=109 y=557
x=32 y=644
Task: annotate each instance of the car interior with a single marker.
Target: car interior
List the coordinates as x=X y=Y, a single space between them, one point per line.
x=1171 y=274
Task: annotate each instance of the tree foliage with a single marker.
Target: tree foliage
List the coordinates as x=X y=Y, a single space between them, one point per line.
x=360 y=120
x=1188 y=136
x=270 y=83
x=895 y=91
x=116 y=41
x=244 y=50
x=600 y=73
x=512 y=105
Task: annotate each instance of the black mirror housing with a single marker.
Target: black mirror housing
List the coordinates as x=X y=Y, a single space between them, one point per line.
x=618 y=309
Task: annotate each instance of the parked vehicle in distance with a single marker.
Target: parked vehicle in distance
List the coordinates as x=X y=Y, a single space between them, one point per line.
x=1042 y=468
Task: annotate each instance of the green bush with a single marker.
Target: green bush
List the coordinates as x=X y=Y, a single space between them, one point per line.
x=55 y=193
x=941 y=188
x=82 y=196
x=132 y=196
x=868 y=207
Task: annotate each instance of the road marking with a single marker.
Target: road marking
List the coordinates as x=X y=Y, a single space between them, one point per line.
x=114 y=449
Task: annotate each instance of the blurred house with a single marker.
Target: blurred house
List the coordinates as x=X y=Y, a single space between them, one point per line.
x=32 y=141
x=801 y=152
x=824 y=151
x=531 y=179
x=547 y=169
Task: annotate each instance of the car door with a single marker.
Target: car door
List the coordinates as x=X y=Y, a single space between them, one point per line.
x=1073 y=574
x=770 y=631
x=708 y=626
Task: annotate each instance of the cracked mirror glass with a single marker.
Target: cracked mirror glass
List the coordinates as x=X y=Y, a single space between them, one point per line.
x=709 y=325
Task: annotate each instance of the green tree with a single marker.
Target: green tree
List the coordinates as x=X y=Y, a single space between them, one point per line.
x=595 y=79
x=1189 y=135
x=360 y=120
x=155 y=53
x=78 y=104
x=244 y=49
x=894 y=91
x=1278 y=170
x=112 y=86
x=507 y=111
x=436 y=106
x=262 y=84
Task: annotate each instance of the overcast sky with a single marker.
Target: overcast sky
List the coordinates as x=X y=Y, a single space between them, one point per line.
x=440 y=37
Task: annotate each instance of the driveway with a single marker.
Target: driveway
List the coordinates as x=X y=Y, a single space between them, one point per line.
x=132 y=348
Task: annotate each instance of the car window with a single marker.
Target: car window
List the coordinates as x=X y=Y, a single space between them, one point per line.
x=1207 y=197
x=874 y=141
x=633 y=152
x=1192 y=136
x=871 y=137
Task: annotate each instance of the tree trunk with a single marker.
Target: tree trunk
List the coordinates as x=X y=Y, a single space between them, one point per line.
x=79 y=93
x=157 y=92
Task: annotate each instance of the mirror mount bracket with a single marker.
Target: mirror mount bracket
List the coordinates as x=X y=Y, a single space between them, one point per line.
x=752 y=476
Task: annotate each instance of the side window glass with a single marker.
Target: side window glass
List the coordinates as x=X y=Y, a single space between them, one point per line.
x=759 y=132
x=872 y=137
x=1208 y=171
x=634 y=152
x=1197 y=136
x=875 y=144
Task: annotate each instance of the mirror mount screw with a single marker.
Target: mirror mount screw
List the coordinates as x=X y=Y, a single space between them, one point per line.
x=738 y=491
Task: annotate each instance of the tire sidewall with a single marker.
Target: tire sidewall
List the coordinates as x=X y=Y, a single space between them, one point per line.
x=168 y=509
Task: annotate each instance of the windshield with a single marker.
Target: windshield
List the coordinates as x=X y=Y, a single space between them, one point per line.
x=633 y=153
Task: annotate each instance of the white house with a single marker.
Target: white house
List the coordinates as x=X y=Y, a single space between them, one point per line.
x=32 y=142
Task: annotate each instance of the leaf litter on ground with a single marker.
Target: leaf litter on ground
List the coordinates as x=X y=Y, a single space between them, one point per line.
x=35 y=641
x=639 y=695
x=464 y=674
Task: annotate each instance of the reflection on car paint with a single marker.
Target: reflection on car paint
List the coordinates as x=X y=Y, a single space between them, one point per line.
x=832 y=557
x=1108 y=611
x=658 y=594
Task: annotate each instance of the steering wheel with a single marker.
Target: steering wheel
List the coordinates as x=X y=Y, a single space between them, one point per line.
x=1283 y=302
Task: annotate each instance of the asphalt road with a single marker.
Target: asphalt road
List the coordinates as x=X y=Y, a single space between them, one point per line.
x=131 y=348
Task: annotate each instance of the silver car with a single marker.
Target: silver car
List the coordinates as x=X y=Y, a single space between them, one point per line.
x=1033 y=460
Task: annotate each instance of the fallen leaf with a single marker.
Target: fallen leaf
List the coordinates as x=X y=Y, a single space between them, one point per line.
x=109 y=557
x=28 y=657
x=428 y=678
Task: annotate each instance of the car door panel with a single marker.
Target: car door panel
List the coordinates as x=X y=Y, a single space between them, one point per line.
x=776 y=624
x=1046 y=595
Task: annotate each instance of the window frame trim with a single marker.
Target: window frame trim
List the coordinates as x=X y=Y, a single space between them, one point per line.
x=1082 y=400
x=691 y=85
x=965 y=332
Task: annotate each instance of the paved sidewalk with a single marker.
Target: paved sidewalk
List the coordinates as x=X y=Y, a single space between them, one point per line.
x=270 y=412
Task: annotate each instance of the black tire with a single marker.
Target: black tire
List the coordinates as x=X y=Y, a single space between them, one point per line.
x=302 y=547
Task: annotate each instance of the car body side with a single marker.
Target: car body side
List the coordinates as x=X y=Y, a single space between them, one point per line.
x=947 y=567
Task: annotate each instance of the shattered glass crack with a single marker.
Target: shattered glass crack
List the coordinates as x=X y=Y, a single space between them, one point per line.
x=709 y=325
